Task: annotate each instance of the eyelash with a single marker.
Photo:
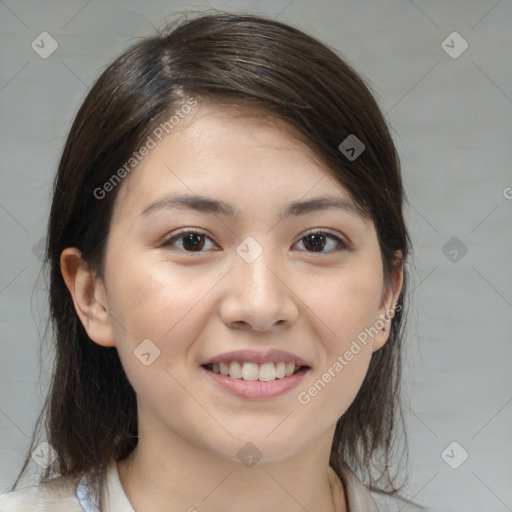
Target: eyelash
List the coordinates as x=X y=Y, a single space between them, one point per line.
x=341 y=244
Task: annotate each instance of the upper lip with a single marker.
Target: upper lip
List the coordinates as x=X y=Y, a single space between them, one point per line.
x=252 y=356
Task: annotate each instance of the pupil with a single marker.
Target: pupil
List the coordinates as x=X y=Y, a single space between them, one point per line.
x=192 y=238
x=316 y=242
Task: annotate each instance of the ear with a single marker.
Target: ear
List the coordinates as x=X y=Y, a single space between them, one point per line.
x=389 y=301
x=89 y=297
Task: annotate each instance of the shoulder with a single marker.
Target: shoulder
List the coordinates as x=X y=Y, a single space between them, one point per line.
x=56 y=495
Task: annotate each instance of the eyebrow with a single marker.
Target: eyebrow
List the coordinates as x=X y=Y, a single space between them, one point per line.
x=214 y=206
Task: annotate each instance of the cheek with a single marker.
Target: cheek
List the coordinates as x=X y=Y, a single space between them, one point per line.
x=154 y=301
x=351 y=304
x=335 y=384
x=168 y=306
x=349 y=309
x=158 y=315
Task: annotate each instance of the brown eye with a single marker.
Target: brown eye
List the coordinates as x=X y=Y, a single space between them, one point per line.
x=191 y=241
x=316 y=241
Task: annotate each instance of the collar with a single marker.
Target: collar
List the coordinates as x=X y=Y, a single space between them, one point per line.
x=115 y=497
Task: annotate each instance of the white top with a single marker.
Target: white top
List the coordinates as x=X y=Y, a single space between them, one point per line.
x=63 y=494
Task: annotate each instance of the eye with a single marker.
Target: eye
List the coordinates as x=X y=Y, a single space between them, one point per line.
x=193 y=240
x=318 y=240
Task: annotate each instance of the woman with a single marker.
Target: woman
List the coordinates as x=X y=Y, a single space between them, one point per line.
x=227 y=250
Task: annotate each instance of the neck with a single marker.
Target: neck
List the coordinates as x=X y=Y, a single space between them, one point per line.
x=165 y=473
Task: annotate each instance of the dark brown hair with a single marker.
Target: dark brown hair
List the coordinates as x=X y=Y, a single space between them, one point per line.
x=90 y=413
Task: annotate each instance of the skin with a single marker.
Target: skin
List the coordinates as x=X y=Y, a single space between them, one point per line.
x=195 y=305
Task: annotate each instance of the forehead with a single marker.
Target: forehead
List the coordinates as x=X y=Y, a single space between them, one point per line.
x=237 y=152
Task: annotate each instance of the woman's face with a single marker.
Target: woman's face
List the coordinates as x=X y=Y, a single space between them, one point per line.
x=247 y=279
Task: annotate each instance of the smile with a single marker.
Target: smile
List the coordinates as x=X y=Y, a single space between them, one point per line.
x=265 y=372
x=253 y=387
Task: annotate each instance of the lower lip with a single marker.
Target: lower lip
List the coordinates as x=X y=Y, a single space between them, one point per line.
x=255 y=388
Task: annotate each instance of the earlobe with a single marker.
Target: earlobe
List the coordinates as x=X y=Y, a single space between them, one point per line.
x=389 y=304
x=88 y=295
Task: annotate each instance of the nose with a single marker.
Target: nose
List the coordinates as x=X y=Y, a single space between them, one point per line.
x=258 y=296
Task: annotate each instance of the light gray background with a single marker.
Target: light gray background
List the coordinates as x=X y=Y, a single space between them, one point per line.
x=452 y=121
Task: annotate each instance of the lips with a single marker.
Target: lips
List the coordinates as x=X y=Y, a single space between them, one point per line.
x=255 y=389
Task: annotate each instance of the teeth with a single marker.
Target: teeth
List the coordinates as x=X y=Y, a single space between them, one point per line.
x=250 y=371
x=224 y=369
x=265 y=372
x=280 y=370
x=235 y=370
x=268 y=372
